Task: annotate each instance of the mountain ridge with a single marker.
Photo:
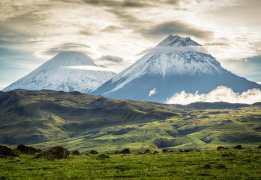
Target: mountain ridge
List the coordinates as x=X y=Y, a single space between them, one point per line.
x=58 y=74
x=176 y=64
x=75 y=120
x=177 y=41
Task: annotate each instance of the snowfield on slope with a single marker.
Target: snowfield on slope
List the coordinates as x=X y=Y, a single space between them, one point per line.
x=56 y=74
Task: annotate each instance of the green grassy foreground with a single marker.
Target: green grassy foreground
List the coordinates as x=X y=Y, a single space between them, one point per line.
x=226 y=164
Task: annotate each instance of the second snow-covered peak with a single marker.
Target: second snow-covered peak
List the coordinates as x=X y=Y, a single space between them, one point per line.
x=177 y=41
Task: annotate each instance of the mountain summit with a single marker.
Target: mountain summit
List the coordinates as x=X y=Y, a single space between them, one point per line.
x=177 y=41
x=176 y=64
x=64 y=72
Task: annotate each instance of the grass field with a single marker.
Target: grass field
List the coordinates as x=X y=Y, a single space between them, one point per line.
x=190 y=129
x=225 y=164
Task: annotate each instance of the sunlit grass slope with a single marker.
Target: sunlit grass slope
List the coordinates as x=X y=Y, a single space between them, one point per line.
x=79 y=121
x=226 y=164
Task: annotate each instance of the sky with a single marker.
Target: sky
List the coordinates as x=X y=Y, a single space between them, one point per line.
x=115 y=33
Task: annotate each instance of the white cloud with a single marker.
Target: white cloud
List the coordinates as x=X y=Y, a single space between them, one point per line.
x=220 y=94
x=176 y=49
x=111 y=58
x=113 y=66
x=11 y=8
x=43 y=27
x=153 y=91
x=47 y=26
x=208 y=6
x=90 y=68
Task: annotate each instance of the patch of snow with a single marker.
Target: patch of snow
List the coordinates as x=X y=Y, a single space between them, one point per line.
x=90 y=68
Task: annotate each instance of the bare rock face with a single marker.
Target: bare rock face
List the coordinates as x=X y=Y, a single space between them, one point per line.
x=6 y=151
x=94 y=152
x=220 y=148
x=147 y=151
x=28 y=149
x=124 y=151
x=164 y=151
x=76 y=152
x=103 y=156
x=238 y=147
x=57 y=152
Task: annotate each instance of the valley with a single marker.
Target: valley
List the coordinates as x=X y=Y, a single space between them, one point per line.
x=84 y=122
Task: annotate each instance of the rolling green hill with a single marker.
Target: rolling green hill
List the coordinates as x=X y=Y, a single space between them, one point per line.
x=84 y=122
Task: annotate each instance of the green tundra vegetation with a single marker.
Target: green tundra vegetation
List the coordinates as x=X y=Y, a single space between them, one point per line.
x=84 y=122
x=207 y=164
x=76 y=121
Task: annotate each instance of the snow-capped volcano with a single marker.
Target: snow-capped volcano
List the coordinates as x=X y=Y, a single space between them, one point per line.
x=67 y=71
x=177 y=41
x=176 y=64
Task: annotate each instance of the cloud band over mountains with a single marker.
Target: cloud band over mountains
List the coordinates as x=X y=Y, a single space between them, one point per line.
x=220 y=94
